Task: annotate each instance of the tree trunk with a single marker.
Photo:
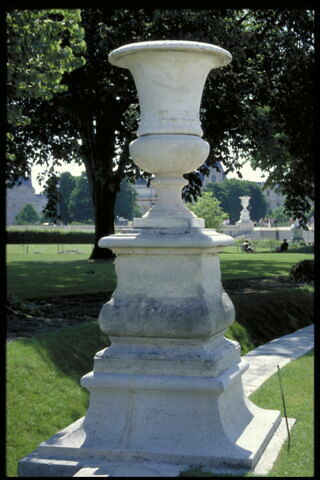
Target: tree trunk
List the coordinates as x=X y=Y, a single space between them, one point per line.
x=104 y=196
x=98 y=143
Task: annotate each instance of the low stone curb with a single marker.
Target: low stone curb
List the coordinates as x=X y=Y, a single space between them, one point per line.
x=263 y=360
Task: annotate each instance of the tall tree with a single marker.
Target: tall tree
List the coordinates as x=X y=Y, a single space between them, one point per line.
x=27 y=215
x=67 y=183
x=208 y=207
x=80 y=203
x=42 y=46
x=285 y=151
x=241 y=115
x=125 y=205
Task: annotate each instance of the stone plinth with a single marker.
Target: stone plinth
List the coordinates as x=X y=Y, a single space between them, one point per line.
x=297 y=233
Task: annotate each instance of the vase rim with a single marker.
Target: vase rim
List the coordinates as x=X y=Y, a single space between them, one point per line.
x=170 y=45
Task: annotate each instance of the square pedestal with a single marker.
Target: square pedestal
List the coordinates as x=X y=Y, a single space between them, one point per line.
x=148 y=420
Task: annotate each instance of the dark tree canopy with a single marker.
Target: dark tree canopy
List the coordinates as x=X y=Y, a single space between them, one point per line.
x=260 y=107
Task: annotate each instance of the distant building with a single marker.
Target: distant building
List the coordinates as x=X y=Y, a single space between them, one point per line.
x=18 y=196
x=214 y=176
x=273 y=198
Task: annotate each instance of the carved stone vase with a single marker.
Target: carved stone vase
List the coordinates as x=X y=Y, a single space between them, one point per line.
x=167 y=393
x=170 y=77
x=244 y=215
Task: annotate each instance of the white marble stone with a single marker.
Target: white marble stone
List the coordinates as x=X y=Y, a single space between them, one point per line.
x=244 y=220
x=170 y=76
x=168 y=157
x=169 y=283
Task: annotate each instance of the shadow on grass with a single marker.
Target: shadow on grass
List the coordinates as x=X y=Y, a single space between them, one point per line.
x=71 y=349
x=266 y=316
x=44 y=279
x=254 y=267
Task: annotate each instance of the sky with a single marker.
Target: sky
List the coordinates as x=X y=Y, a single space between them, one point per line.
x=73 y=168
x=247 y=172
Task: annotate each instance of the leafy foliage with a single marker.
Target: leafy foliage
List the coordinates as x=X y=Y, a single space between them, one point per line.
x=42 y=46
x=279 y=214
x=50 y=212
x=70 y=199
x=27 y=215
x=80 y=203
x=37 y=237
x=67 y=183
x=208 y=207
x=125 y=205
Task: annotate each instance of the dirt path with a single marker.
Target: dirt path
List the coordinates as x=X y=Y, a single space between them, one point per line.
x=39 y=315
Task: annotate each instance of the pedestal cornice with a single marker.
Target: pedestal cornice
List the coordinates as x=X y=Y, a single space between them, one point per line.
x=181 y=239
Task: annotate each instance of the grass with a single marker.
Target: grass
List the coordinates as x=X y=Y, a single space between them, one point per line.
x=297 y=379
x=43 y=391
x=261 y=317
x=50 y=273
x=258 y=265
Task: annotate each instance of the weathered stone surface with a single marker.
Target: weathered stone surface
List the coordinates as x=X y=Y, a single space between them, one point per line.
x=176 y=292
x=170 y=76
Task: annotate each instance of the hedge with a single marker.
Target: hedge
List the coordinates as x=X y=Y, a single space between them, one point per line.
x=42 y=236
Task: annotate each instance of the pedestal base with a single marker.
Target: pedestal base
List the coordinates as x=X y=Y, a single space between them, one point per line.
x=164 y=420
x=244 y=225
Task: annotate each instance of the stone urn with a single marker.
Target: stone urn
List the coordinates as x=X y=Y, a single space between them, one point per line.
x=169 y=76
x=244 y=215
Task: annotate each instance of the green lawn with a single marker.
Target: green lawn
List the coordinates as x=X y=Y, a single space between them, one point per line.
x=50 y=273
x=43 y=390
x=297 y=379
x=42 y=271
x=258 y=265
